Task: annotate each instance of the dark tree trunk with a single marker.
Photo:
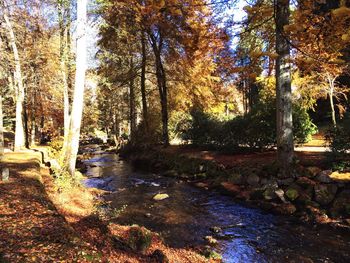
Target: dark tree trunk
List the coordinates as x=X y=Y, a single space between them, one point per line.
x=162 y=87
x=285 y=144
x=26 y=128
x=143 y=81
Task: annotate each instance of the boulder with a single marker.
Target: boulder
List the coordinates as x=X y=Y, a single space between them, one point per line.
x=292 y=193
x=324 y=176
x=236 y=178
x=160 y=197
x=170 y=173
x=305 y=182
x=285 y=182
x=253 y=179
x=158 y=256
x=313 y=171
x=269 y=194
x=285 y=209
x=280 y=195
x=325 y=193
x=230 y=188
x=341 y=204
x=211 y=240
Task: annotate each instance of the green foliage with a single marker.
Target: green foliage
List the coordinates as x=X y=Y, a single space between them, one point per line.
x=56 y=145
x=65 y=182
x=256 y=130
x=338 y=139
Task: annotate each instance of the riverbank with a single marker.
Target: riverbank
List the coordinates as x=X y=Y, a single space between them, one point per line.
x=41 y=222
x=315 y=195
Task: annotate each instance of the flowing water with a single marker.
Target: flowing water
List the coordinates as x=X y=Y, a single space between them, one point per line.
x=245 y=234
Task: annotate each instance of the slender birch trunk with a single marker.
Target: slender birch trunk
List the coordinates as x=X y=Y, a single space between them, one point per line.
x=78 y=97
x=285 y=144
x=19 y=88
x=143 y=80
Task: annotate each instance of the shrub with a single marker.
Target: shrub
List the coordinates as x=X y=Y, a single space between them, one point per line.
x=256 y=130
x=338 y=139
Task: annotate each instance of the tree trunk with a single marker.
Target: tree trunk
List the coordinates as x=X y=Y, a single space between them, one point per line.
x=285 y=144
x=1 y=130
x=26 y=128
x=143 y=81
x=331 y=99
x=63 y=66
x=132 y=105
x=78 y=98
x=161 y=82
x=19 y=132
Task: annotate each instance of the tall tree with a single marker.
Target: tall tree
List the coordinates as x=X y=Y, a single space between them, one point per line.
x=63 y=9
x=78 y=98
x=285 y=143
x=19 y=87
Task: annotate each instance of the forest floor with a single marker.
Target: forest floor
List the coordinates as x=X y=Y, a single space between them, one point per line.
x=40 y=224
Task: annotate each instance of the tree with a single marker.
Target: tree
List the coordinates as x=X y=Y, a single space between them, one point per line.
x=78 y=98
x=285 y=144
x=19 y=88
x=64 y=28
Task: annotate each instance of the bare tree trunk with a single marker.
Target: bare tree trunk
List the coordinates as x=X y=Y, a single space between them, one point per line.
x=331 y=99
x=285 y=144
x=19 y=132
x=63 y=65
x=143 y=81
x=78 y=98
x=1 y=129
x=132 y=101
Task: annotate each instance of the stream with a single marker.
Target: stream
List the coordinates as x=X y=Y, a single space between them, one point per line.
x=245 y=234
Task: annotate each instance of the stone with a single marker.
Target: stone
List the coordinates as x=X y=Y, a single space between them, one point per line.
x=341 y=204
x=280 y=195
x=313 y=171
x=236 y=178
x=285 y=209
x=257 y=194
x=230 y=188
x=253 y=180
x=158 y=256
x=324 y=176
x=269 y=194
x=212 y=241
x=305 y=182
x=216 y=229
x=325 y=193
x=285 y=182
x=5 y=174
x=170 y=173
x=160 y=197
x=292 y=193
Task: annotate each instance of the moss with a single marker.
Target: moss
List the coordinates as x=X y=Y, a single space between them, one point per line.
x=139 y=239
x=292 y=194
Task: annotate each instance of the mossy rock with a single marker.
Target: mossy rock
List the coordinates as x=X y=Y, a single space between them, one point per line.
x=139 y=239
x=292 y=194
x=325 y=193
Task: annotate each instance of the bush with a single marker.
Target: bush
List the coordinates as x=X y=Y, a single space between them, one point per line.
x=338 y=139
x=256 y=130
